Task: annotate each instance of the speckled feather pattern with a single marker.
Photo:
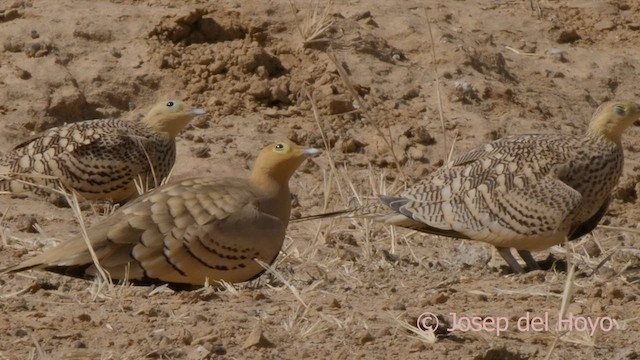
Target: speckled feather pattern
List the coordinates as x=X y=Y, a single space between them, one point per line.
x=192 y=231
x=526 y=192
x=97 y=158
x=187 y=232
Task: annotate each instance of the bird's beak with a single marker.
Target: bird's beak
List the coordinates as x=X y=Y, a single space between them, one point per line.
x=309 y=152
x=197 y=112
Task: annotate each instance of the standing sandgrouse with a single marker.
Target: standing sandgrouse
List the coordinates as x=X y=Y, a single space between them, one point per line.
x=99 y=159
x=190 y=231
x=527 y=192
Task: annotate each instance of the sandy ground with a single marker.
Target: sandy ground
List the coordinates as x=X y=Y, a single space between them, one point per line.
x=344 y=289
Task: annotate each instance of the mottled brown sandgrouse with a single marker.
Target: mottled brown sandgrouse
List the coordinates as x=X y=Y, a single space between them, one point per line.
x=99 y=159
x=527 y=192
x=190 y=231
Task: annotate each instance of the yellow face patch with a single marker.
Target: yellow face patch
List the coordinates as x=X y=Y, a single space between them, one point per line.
x=281 y=148
x=174 y=106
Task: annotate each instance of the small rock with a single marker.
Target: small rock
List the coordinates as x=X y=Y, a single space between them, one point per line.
x=364 y=337
x=592 y=249
x=417 y=346
x=347 y=254
x=568 y=36
x=606 y=272
x=280 y=93
x=187 y=337
x=385 y=331
x=326 y=90
x=411 y=93
x=201 y=151
x=259 y=90
x=337 y=106
x=22 y=73
x=58 y=200
x=26 y=223
x=93 y=35
x=259 y=296
x=201 y=122
x=463 y=92
x=219 y=350
x=605 y=24
x=574 y=309
x=199 y=353
x=416 y=153
x=36 y=49
x=115 y=53
x=9 y=15
x=333 y=302
x=13 y=45
x=437 y=298
x=351 y=145
x=616 y=293
x=257 y=339
x=596 y=307
x=390 y=257
x=558 y=55
x=84 y=317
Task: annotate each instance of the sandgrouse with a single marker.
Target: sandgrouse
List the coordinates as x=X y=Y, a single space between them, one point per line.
x=527 y=192
x=99 y=159
x=191 y=231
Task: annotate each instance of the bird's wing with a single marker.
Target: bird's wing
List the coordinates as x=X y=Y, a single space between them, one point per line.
x=168 y=234
x=221 y=250
x=109 y=161
x=506 y=190
x=92 y=157
x=586 y=227
x=529 y=146
x=485 y=214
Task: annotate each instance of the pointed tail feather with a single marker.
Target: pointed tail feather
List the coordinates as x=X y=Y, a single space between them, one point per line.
x=383 y=206
x=18 y=268
x=339 y=213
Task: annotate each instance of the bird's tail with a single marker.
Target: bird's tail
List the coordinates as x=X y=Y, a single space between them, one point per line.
x=18 y=268
x=372 y=210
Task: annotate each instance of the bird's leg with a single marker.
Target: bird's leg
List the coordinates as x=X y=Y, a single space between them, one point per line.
x=505 y=252
x=532 y=264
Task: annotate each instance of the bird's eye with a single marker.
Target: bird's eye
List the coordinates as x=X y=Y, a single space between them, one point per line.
x=170 y=104
x=620 y=110
x=280 y=147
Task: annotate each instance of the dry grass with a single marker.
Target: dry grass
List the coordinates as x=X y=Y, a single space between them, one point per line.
x=142 y=181
x=366 y=113
x=313 y=26
x=312 y=264
x=434 y=60
x=3 y=229
x=72 y=199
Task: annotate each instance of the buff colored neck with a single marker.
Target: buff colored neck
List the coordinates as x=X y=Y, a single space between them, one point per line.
x=603 y=129
x=171 y=126
x=276 y=198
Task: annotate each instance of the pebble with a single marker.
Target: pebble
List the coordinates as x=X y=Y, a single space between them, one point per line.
x=257 y=339
x=26 y=223
x=364 y=337
x=568 y=36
